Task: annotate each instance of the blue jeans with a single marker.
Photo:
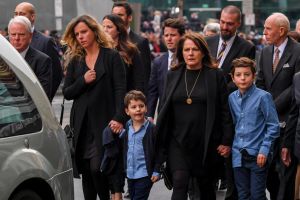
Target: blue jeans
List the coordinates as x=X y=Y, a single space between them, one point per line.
x=139 y=189
x=250 y=180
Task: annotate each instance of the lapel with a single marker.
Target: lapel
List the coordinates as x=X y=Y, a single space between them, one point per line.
x=214 y=46
x=287 y=53
x=99 y=65
x=164 y=65
x=234 y=49
x=29 y=57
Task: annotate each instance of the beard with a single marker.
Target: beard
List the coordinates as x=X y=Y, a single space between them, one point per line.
x=226 y=36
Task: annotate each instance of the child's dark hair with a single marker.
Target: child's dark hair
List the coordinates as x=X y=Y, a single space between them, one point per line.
x=243 y=62
x=134 y=95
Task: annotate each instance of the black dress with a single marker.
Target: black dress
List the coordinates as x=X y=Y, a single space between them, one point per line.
x=187 y=134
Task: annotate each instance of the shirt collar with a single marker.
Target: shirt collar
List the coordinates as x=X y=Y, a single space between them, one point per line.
x=282 y=46
x=170 y=54
x=23 y=53
x=145 y=124
x=228 y=42
x=248 y=92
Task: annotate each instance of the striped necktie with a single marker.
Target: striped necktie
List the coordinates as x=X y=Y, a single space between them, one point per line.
x=221 y=52
x=173 y=61
x=276 y=59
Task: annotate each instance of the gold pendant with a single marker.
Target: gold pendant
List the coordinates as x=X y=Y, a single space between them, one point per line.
x=189 y=101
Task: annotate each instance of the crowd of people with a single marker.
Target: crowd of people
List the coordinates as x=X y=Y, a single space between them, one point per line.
x=228 y=104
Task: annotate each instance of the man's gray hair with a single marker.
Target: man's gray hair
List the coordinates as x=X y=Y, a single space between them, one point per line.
x=20 y=20
x=213 y=27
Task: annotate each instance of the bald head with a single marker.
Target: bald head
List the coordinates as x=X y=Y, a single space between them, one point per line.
x=25 y=9
x=276 y=28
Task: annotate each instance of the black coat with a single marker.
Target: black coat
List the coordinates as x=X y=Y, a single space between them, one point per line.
x=144 y=49
x=219 y=127
x=48 y=46
x=41 y=65
x=102 y=100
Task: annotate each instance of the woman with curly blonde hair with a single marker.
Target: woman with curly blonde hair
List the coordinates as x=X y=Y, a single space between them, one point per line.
x=95 y=81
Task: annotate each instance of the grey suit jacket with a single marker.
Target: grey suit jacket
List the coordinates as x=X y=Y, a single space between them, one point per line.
x=279 y=84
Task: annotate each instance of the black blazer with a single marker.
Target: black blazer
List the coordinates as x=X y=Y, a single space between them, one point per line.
x=291 y=138
x=239 y=48
x=279 y=84
x=219 y=126
x=41 y=65
x=48 y=46
x=102 y=100
x=156 y=82
x=143 y=46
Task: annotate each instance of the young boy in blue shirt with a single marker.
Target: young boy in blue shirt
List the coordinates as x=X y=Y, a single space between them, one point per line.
x=140 y=164
x=256 y=127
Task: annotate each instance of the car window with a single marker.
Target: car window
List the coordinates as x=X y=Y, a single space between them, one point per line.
x=18 y=113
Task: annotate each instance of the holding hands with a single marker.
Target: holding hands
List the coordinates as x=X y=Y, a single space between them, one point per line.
x=224 y=150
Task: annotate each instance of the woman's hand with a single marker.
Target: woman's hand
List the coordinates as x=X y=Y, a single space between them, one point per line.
x=261 y=160
x=224 y=150
x=116 y=127
x=90 y=76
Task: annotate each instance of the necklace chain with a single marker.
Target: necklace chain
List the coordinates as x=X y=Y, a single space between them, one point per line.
x=188 y=94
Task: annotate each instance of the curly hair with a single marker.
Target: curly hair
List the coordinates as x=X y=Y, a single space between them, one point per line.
x=74 y=49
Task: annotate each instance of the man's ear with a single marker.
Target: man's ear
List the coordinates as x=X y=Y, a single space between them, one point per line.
x=127 y=112
x=130 y=19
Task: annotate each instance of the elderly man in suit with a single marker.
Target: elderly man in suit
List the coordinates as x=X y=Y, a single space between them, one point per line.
x=173 y=29
x=124 y=10
x=42 y=43
x=279 y=61
x=19 y=30
x=227 y=45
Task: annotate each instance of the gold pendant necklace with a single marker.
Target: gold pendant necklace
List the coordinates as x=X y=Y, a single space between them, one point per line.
x=189 y=100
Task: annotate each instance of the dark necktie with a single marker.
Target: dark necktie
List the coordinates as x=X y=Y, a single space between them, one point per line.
x=173 y=61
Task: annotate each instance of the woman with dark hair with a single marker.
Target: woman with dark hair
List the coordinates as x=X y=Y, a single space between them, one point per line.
x=96 y=83
x=194 y=125
x=115 y=27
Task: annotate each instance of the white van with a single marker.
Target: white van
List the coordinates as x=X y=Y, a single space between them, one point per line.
x=35 y=161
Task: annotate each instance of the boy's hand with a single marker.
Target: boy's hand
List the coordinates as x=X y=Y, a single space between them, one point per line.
x=154 y=179
x=224 y=150
x=286 y=156
x=261 y=160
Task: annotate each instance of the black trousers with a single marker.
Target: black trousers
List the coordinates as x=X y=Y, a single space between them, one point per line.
x=281 y=179
x=93 y=181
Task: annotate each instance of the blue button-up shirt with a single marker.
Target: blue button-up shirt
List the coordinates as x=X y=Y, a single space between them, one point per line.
x=256 y=123
x=136 y=164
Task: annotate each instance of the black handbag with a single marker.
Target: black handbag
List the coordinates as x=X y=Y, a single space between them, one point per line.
x=69 y=130
x=166 y=175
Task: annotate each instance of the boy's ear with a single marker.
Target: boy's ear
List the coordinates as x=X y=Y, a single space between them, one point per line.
x=126 y=110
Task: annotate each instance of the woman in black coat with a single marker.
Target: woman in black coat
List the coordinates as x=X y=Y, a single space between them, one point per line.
x=194 y=124
x=96 y=83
